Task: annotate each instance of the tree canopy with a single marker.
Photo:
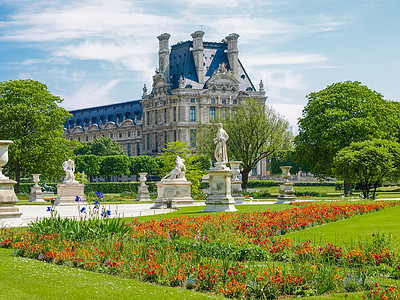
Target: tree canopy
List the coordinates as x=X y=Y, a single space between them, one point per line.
x=143 y=163
x=341 y=114
x=255 y=132
x=368 y=163
x=31 y=118
x=102 y=147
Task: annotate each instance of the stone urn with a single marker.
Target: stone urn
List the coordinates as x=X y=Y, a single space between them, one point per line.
x=285 y=172
x=9 y=214
x=4 y=156
x=142 y=178
x=286 y=191
x=235 y=168
x=143 y=192
x=36 y=180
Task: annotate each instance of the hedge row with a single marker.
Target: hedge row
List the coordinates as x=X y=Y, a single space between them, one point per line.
x=103 y=187
x=268 y=183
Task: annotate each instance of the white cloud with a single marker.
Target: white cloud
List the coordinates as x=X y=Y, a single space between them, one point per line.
x=90 y=95
x=291 y=112
x=283 y=59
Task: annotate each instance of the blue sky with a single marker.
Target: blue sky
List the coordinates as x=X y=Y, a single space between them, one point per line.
x=101 y=52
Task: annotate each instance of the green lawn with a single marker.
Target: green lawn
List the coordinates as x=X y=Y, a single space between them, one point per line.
x=22 y=278
x=354 y=229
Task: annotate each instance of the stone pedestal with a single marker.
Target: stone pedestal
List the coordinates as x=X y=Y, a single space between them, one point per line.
x=286 y=191
x=220 y=198
x=237 y=192
x=67 y=192
x=36 y=194
x=236 y=183
x=143 y=192
x=175 y=192
x=9 y=214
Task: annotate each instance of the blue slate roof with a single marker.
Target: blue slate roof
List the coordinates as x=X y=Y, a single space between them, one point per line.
x=100 y=115
x=182 y=64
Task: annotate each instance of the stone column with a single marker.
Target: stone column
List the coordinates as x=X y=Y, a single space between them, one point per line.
x=143 y=192
x=9 y=214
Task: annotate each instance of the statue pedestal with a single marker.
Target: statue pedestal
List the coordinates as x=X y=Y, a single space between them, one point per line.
x=143 y=193
x=67 y=192
x=9 y=214
x=220 y=198
x=173 y=191
x=286 y=193
x=237 y=191
x=36 y=194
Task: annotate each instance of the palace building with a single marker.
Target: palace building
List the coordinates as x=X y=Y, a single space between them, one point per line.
x=195 y=81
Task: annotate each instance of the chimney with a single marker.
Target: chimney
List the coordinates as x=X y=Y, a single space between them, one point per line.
x=198 y=54
x=233 y=58
x=163 y=54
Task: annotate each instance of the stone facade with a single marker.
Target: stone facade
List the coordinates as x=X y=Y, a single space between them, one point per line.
x=194 y=82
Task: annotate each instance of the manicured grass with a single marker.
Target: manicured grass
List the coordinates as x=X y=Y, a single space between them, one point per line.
x=197 y=210
x=22 y=278
x=354 y=229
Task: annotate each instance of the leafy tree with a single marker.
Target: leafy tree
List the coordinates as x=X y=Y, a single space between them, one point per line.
x=104 y=147
x=114 y=165
x=83 y=149
x=341 y=114
x=90 y=164
x=255 y=132
x=31 y=118
x=193 y=164
x=369 y=163
x=143 y=163
x=286 y=158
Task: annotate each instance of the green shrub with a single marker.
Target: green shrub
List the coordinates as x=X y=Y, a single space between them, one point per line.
x=117 y=187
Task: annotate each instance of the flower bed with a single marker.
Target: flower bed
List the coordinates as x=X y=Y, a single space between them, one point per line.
x=235 y=254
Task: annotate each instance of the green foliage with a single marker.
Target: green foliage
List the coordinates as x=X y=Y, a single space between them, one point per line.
x=102 y=147
x=90 y=164
x=143 y=163
x=115 y=165
x=117 y=187
x=32 y=118
x=78 y=177
x=368 y=163
x=70 y=229
x=338 y=115
x=255 y=132
x=286 y=158
x=193 y=164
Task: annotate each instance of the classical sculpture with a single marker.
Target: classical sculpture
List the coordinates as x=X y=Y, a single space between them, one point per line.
x=220 y=150
x=179 y=171
x=69 y=168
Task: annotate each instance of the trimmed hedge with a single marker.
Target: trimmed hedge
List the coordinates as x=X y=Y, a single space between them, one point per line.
x=103 y=187
x=117 y=187
x=266 y=183
x=25 y=188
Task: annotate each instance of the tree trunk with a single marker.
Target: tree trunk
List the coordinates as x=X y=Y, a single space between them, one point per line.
x=245 y=178
x=17 y=177
x=375 y=186
x=347 y=188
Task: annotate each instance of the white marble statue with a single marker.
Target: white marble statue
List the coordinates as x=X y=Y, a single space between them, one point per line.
x=69 y=168
x=220 y=150
x=179 y=171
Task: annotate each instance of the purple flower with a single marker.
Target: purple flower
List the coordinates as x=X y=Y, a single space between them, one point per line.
x=77 y=199
x=49 y=208
x=83 y=209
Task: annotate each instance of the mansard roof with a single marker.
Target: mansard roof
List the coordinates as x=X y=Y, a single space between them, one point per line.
x=182 y=64
x=100 y=115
